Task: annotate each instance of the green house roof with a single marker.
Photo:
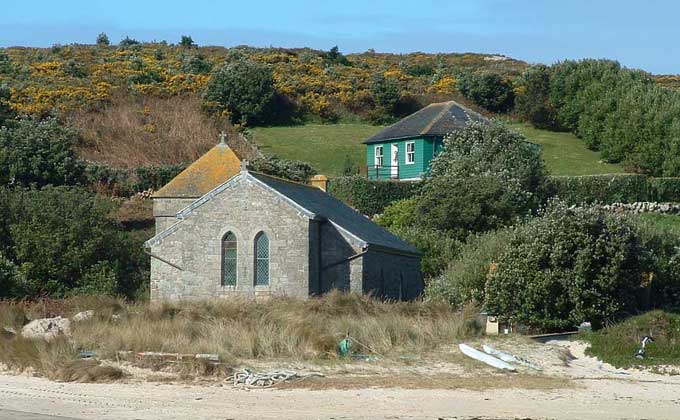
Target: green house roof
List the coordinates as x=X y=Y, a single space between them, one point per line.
x=434 y=120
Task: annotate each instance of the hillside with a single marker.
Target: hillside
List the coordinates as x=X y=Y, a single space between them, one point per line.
x=327 y=147
x=140 y=103
x=331 y=149
x=62 y=79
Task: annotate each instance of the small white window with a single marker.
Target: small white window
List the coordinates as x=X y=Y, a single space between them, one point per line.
x=410 y=152
x=378 y=156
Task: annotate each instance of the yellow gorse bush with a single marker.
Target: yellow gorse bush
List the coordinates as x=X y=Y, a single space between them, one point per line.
x=44 y=80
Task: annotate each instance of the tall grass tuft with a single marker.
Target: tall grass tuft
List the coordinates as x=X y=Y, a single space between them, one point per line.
x=290 y=328
x=239 y=329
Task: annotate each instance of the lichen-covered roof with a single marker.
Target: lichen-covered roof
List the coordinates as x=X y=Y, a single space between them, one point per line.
x=434 y=120
x=210 y=170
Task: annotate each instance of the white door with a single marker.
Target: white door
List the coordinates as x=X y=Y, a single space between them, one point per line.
x=394 y=165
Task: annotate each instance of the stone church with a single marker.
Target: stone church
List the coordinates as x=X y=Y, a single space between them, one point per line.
x=222 y=230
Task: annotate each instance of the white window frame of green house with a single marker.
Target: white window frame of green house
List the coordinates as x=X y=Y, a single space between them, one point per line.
x=410 y=154
x=378 y=158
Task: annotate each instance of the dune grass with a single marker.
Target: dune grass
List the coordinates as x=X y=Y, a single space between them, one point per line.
x=239 y=329
x=617 y=344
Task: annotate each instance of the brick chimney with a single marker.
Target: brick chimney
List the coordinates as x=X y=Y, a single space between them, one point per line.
x=320 y=181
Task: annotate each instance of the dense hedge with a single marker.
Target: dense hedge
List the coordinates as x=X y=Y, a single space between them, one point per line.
x=370 y=197
x=126 y=182
x=609 y=189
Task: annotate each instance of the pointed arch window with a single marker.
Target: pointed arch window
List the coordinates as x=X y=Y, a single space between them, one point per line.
x=229 y=254
x=261 y=259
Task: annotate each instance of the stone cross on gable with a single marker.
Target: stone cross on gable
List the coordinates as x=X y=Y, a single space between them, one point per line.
x=223 y=137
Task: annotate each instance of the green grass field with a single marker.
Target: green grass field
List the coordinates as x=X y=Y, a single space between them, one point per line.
x=327 y=147
x=565 y=154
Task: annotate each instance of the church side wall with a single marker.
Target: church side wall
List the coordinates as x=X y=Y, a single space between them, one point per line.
x=392 y=276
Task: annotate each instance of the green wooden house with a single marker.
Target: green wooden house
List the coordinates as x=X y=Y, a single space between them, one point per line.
x=403 y=150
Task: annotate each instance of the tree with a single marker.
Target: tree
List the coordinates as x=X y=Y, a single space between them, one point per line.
x=385 y=92
x=488 y=90
x=566 y=267
x=533 y=104
x=40 y=153
x=6 y=111
x=103 y=39
x=485 y=177
x=62 y=241
x=568 y=79
x=244 y=89
x=334 y=56
x=186 y=41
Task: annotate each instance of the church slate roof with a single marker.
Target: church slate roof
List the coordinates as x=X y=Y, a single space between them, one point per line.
x=311 y=201
x=436 y=119
x=213 y=168
x=325 y=206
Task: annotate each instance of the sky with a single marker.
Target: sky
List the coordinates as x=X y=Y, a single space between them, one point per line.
x=640 y=34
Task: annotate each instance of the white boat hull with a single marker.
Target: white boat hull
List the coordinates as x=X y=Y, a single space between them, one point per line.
x=485 y=358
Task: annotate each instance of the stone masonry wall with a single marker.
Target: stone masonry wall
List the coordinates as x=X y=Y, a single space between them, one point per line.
x=245 y=209
x=392 y=276
x=165 y=209
x=336 y=247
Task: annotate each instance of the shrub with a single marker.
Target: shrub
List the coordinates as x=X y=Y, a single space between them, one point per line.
x=386 y=92
x=126 y=182
x=485 y=177
x=437 y=247
x=488 y=90
x=605 y=189
x=566 y=267
x=294 y=170
x=62 y=240
x=464 y=279
x=664 y=189
x=660 y=251
x=243 y=88
x=10 y=278
x=5 y=63
x=334 y=56
x=370 y=197
x=619 y=188
x=195 y=64
x=127 y=42
x=103 y=39
x=39 y=153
